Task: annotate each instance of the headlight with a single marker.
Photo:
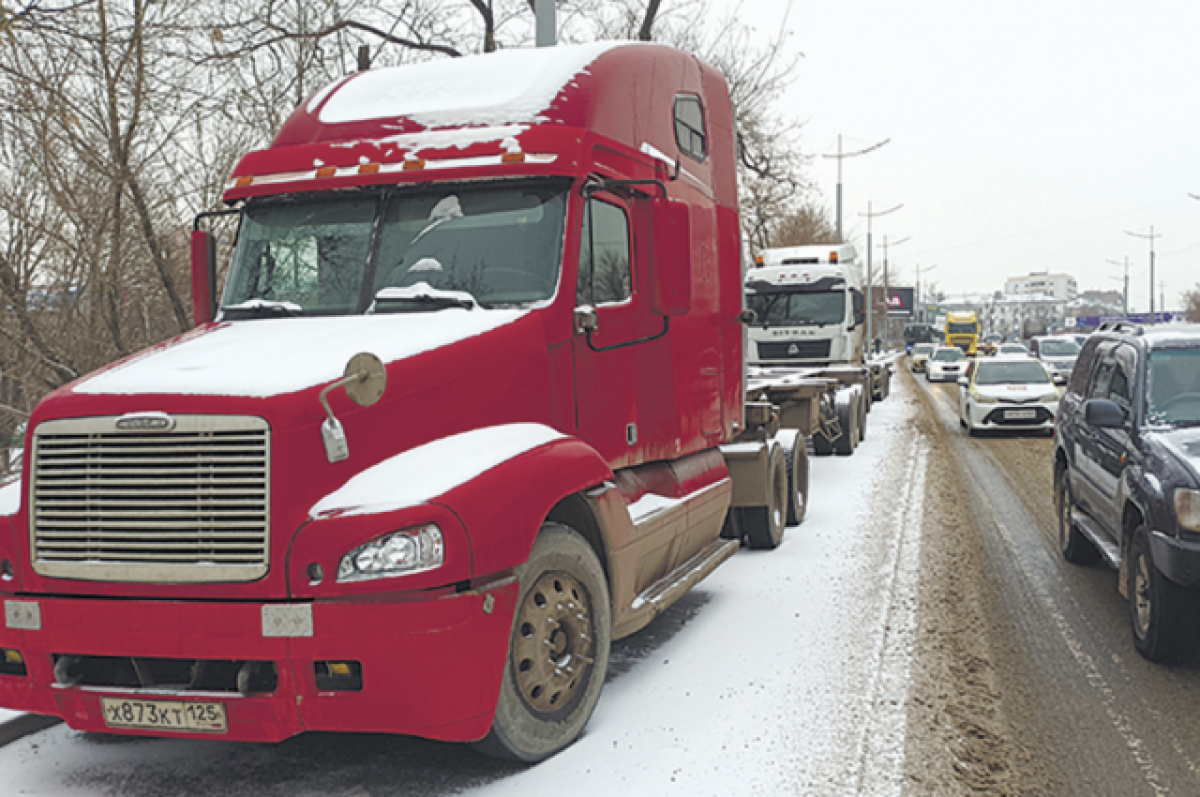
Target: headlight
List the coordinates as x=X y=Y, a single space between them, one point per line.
x=981 y=399
x=1187 y=509
x=395 y=554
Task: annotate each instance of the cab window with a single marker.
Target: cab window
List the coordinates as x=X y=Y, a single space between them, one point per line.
x=605 y=264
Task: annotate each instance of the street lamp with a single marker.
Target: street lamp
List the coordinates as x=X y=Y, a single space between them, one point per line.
x=870 y=275
x=840 y=155
x=887 y=317
x=921 y=304
x=1151 y=238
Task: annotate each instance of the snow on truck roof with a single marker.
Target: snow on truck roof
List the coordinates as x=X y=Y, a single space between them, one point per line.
x=506 y=87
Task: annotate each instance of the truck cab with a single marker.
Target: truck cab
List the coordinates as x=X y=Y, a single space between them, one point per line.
x=453 y=424
x=809 y=307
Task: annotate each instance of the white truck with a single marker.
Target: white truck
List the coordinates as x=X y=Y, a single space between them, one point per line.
x=810 y=318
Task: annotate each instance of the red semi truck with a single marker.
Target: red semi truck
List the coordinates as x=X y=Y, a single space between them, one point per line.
x=469 y=407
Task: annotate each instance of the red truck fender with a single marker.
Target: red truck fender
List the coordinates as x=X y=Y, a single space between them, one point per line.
x=499 y=482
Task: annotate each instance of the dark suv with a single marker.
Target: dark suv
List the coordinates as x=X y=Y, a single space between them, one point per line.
x=1127 y=471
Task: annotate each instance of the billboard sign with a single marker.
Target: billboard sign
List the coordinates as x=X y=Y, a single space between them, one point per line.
x=900 y=302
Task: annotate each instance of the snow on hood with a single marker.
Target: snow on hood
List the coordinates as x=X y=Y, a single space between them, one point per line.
x=511 y=86
x=427 y=471
x=1185 y=444
x=268 y=357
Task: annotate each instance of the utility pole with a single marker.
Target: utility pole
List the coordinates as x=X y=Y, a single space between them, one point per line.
x=547 y=23
x=887 y=293
x=1151 y=236
x=870 y=275
x=840 y=155
x=1125 y=292
x=919 y=269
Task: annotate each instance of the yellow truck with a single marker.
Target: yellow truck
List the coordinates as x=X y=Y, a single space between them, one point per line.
x=962 y=330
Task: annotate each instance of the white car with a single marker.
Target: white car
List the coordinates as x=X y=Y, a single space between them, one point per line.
x=1016 y=393
x=920 y=355
x=947 y=363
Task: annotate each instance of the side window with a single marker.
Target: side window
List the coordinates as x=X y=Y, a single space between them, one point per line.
x=605 y=266
x=1083 y=367
x=1118 y=389
x=1101 y=380
x=689 y=127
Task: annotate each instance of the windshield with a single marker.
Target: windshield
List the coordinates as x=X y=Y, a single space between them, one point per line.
x=798 y=309
x=330 y=255
x=1058 y=347
x=965 y=328
x=1173 y=396
x=922 y=348
x=949 y=355
x=1013 y=373
x=1013 y=348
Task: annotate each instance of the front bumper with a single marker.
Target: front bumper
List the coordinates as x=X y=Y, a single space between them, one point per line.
x=942 y=374
x=431 y=663
x=1001 y=416
x=1178 y=559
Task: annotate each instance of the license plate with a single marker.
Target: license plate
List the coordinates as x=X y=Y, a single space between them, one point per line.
x=164 y=715
x=1020 y=415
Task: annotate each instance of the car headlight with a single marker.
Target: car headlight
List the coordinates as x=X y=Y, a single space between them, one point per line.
x=395 y=554
x=981 y=399
x=1187 y=508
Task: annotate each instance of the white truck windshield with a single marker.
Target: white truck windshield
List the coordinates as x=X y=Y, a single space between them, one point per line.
x=798 y=309
x=331 y=255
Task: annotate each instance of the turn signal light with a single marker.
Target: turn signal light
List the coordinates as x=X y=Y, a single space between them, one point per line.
x=242 y=182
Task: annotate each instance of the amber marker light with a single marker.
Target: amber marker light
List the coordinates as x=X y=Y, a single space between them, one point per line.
x=327 y=171
x=242 y=182
x=512 y=157
x=368 y=168
x=411 y=164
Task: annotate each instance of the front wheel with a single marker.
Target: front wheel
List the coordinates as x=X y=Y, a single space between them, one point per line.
x=558 y=651
x=1156 y=604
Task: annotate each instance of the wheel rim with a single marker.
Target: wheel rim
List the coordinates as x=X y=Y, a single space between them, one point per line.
x=1142 y=604
x=553 y=648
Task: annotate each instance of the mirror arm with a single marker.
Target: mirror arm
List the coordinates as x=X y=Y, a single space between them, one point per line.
x=597 y=183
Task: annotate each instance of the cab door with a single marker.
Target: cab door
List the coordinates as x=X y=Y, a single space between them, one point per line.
x=1112 y=445
x=624 y=386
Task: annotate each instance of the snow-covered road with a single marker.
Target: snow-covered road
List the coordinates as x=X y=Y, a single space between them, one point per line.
x=783 y=673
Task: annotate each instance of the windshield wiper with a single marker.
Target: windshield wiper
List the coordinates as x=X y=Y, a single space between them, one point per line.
x=262 y=308
x=420 y=298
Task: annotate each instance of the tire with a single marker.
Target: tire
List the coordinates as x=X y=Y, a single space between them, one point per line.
x=543 y=705
x=1075 y=547
x=795 y=457
x=848 y=417
x=863 y=401
x=1156 y=604
x=821 y=445
x=765 y=525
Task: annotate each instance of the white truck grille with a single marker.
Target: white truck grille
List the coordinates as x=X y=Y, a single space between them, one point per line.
x=187 y=504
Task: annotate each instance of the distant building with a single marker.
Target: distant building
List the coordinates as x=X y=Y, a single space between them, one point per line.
x=1060 y=286
x=1003 y=314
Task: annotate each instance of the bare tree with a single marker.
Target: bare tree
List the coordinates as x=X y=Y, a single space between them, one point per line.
x=1191 y=304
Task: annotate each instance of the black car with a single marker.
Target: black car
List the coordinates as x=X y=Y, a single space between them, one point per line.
x=1127 y=471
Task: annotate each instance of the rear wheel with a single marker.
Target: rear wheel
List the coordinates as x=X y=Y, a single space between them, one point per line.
x=764 y=525
x=847 y=411
x=558 y=651
x=1074 y=546
x=795 y=456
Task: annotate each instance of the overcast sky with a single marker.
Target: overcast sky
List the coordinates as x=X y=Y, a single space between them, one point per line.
x=1024 y=136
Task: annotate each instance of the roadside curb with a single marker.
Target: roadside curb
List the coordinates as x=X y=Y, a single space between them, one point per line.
x=24 y=725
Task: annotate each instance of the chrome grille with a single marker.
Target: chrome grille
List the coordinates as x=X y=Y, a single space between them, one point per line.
x=185 y=505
